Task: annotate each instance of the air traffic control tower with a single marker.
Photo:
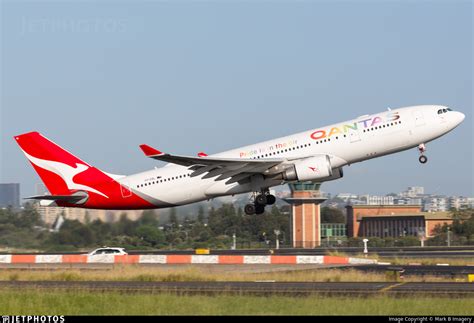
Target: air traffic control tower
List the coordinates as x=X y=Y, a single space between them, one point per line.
x=305 y=216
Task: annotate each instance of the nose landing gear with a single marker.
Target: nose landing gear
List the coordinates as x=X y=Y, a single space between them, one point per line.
x=260 y=200
x=422 y=148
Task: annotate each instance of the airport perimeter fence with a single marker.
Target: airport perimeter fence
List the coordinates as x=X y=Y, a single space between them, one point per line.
x=455 y=241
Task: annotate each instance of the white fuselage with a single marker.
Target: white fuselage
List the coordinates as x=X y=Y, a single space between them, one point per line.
x=356 y=140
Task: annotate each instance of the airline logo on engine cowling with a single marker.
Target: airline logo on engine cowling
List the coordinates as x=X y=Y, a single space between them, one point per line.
x=362 y=124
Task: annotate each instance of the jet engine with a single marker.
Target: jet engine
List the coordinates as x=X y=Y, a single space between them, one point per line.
x=316 y=168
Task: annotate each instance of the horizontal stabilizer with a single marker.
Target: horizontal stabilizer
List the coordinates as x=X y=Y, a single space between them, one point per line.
x=65 y=198
x=76 y=198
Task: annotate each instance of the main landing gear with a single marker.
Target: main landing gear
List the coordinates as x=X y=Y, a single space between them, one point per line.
x=260 y=200
x=422 y=148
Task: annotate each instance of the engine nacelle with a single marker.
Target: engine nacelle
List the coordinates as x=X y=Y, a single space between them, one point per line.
x=336 y=174
x=310 y=169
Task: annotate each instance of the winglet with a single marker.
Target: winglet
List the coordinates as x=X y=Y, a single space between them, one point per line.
x=150 y=151
x=202 y=154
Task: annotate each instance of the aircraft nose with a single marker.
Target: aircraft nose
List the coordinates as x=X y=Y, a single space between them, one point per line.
x=459 y=117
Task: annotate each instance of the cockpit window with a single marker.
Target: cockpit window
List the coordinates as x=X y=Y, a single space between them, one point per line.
x=440 y=111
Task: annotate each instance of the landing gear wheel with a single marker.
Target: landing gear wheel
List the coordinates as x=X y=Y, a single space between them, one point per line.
x=261 y=199
x=423 y=159
x=249 y=209
x=271 y=199
x=259 y=209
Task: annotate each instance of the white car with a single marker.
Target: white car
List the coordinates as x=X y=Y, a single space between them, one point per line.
x=108 y=251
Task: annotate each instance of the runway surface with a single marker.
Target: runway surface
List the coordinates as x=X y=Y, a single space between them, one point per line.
x=254 y=288
x=452 y=271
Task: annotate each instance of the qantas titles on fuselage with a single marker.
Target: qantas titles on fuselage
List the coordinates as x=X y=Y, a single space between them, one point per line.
x=365 y=124
x=323 y=134
x=317 y=155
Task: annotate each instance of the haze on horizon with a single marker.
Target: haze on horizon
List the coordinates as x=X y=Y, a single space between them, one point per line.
x=101 y=78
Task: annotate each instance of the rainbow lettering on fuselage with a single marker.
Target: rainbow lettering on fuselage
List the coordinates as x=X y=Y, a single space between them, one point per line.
x=362 y=124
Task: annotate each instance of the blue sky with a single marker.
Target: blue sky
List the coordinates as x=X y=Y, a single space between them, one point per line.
x=100 y=78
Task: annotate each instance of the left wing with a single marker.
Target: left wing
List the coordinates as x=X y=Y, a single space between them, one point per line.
x=237 y=169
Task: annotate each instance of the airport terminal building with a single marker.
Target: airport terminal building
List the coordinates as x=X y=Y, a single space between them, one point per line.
x=393 y=221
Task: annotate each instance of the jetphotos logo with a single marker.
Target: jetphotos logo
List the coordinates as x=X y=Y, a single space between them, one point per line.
x=362 y=124
x=66 y=172
x=33 y=319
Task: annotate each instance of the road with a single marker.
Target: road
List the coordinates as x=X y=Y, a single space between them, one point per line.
x=391 y=252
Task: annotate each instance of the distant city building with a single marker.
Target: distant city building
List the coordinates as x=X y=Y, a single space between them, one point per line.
x=49 y=215
x=435 y=204
x=407 y=201
x=9 y=195
x=413 y=191
x=378 y=200
x=347 y=196
x=461 y=203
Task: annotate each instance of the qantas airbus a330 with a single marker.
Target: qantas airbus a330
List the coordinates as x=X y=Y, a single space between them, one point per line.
x=317 y=155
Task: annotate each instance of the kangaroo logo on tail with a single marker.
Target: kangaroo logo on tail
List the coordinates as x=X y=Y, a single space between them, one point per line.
x=66 y=172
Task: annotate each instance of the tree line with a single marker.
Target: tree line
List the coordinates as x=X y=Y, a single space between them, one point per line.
x=212 y=229
x=23 y=229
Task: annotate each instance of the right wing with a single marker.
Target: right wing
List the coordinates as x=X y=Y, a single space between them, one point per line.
x=233 y=169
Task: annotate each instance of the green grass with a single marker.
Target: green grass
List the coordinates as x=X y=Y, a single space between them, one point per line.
x=84 y=303
x=192 y=273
